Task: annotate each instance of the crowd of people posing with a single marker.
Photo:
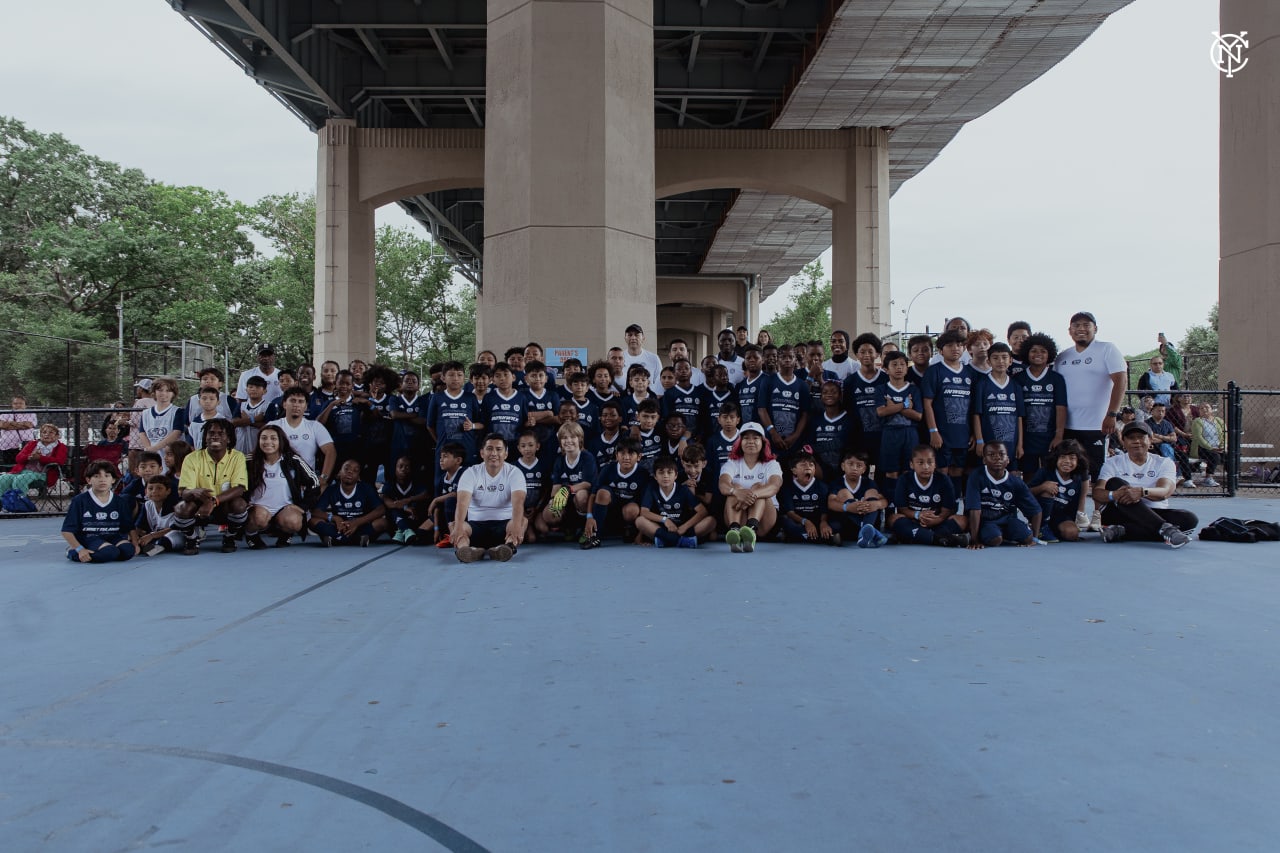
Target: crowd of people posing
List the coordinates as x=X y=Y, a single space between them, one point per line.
x=962 y=441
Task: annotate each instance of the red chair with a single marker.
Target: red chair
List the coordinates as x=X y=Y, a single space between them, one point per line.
x=112 y=453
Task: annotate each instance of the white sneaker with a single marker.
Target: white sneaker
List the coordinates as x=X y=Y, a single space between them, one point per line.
x=1082 y=520
x=1188 y=484
x=1095 y=521
x=1209 y=481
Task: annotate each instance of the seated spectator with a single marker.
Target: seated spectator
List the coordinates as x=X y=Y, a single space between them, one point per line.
x=1133 y=490
x=1208 y=441
x=111 y=436
x=40 y=459
x=1156 y=379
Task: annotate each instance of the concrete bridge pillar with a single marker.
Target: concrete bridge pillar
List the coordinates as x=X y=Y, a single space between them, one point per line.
x=860 y=237
x=569 y=172
x=345 y=313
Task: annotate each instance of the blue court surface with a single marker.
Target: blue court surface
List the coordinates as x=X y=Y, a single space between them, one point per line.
x=1071 y=697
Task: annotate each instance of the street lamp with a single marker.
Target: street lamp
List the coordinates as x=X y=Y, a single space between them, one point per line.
x=906 y=320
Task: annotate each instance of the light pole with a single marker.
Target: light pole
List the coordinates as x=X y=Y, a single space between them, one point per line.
x=906 y=320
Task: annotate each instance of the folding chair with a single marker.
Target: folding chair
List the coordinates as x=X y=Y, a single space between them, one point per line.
x=112 y=453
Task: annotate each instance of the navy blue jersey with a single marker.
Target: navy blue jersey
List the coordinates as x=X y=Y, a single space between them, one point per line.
x=589 y=414
x=936 y=494
x=362 y=499
x=536 y=480
x=786 y=402
x=447 y=484
x=315 y=404
x=999 y=499
x=712 y=400
x=404 y=432
x=1067 y=501
x=857 y=491
x=688 y=402
x=548 y=402
x=914 y=376
x=829 y=437
x=583 y=471
x=631 y=407
x=628 y=487
x=1041 y=397
x=753 y=394
x=718 y=447
x=809 y=502
x=504 y=415
x=862 y=396
x=909 y=397
x=998 y=408
x=86 y=517
x=604 y=449
x=375 y=426
x=1017 y=368
x=446 y=414
x=678 y=506
x=948 y=392
x=397 y=491
x=650 y=447
x=343 y=422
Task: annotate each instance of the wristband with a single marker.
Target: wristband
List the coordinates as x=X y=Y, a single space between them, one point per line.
x=1111 y=497
x=769 y=428
x=844 y=507
x=933 y=430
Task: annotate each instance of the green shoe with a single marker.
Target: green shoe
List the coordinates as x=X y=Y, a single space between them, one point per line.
x=748 y=538
x=734 y=538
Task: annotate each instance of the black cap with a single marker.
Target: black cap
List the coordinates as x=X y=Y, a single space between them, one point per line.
x=266 y=349
x=1084 y=315
x=634 y=327
x=1136 y=426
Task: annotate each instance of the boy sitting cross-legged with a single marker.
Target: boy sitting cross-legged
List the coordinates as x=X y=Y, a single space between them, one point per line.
x=992 y=502
x=803 y=503
x=614 y=505
x=669 y=512
x=925 y=505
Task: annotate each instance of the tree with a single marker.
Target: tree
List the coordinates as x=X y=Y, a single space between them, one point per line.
x=1199 y=351
x=421 y=315
x=809 y=317
x=285 y=295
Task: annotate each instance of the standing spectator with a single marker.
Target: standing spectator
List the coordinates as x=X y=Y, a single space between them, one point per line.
x=1172 y=360
x=839 y=365
x=1156 y=379
x=729 y=356
x=637 y=354
x=1208 y=441
x=1096 y=375
x=677 y=350
x=740 y=340
x=141 y=402
x=267 y=370
x=16 y=429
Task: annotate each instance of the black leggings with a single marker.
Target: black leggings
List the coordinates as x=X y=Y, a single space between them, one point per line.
x=1142 y=522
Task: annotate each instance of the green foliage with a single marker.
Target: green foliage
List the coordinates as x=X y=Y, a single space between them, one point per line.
x=1199 y=351
x=284 y=285
x=422 y=316
x=809 y=317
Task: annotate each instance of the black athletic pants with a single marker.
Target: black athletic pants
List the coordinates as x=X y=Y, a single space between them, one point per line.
x=1142 y=522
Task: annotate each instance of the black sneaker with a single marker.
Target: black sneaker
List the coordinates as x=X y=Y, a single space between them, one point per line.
x=1114 y=533
x=326 y=541
x=191 y=547
x=589 y=542
x=255 y=542
x=282 y=542
x=951 y=540
x=228 y=543
x=364 y=540
x=1173 y=537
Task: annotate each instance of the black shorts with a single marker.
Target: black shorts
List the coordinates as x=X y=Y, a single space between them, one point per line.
x=1094 y=444
x=487 y=534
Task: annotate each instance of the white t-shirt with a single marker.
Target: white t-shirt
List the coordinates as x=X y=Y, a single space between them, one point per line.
x=1145 y=474
x=273 y=384
x=841 y=369
x=735 y=369
x=491 y=495
x=274 y=491
x=651 y=363
x=747 y=476
x=1088 y=378
x=305 y=439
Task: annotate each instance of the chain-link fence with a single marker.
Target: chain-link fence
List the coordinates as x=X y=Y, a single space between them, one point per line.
x=54 y=371
x=1199 y=370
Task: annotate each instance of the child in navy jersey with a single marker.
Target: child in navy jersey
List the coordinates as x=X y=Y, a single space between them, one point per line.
x=588 y=409
x=830 y=431
x=505 y=410
x=404 y=497
x=439 y=513
x=647 y=433
x=753 y=390
x=720 y=441
x=529 y=461
x=997 y=405
x=701 y=480
x=899 y=414
x=1044 y=401
x=572 y=477
x=99 y=523
x=453 y=412
x=614 y=505
x=925 y=505
x=350 y=511
x=785 y=407
x=342 y=419
x=947 y=391
x=802 y=503
x=604 y=444
x=541 y=403
x=864 y=395
x=685 y=399
x=715 y=394
x=670 y=514
x=855 y=504
x=1060 y=487
x=993 y=499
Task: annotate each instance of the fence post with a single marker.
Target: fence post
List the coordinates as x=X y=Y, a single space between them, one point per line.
x=1235 y=434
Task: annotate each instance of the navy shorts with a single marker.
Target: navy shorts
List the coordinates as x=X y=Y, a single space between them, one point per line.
x=1011 y=528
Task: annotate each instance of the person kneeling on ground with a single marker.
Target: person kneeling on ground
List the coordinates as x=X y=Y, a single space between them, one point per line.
x=1133 y=489
x=212 y=488
x=99 y=521
x=490 y=511
x=350 y=511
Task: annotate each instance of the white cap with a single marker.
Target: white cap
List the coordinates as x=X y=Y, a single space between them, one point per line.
x=751 y=426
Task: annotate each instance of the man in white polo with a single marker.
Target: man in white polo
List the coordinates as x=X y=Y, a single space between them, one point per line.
x=635 y=353
x=490 y=512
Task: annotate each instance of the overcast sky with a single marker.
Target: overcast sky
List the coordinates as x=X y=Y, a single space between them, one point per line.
x=1093 y=188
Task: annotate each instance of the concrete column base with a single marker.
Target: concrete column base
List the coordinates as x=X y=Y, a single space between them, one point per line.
x=860 y=238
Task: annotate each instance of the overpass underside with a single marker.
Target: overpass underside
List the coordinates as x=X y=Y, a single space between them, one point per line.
x=595 y=163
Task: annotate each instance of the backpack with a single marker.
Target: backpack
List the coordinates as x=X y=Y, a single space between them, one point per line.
x=16 y=500
x=1239 y=530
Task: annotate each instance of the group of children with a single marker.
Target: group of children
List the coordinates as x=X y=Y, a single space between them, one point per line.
x=876 y=442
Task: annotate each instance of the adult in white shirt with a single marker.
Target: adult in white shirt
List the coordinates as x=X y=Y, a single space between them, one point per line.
x=840 y=363
x=1133 y=489
x=635 y=353
x=490 y=511
x=306 y=437
x=1096 y=374
x=677 y=350
x=267 y=370
x=726 y=355
x=750 y=480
